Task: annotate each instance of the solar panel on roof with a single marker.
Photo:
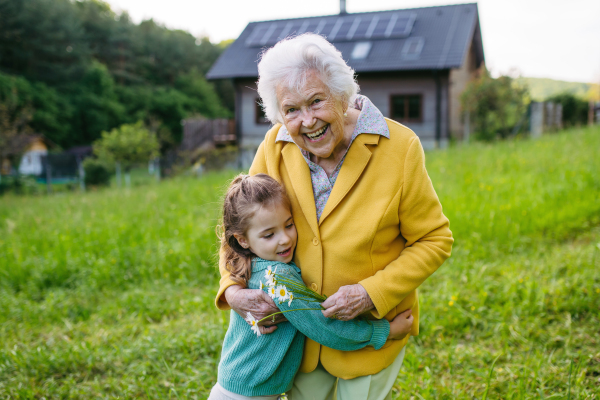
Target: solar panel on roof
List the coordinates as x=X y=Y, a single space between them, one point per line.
x=363 y=26
x=270 y=31
x=403 y=26
x=353 y=28
x=321 y=25
x=336 y=29
x=286 y=31
x=303 y=27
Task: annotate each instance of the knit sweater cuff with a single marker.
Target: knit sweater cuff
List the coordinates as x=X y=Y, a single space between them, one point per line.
x=381 y=331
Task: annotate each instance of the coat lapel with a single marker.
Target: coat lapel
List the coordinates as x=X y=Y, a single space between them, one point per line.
x=355 y=163
x=299 y=173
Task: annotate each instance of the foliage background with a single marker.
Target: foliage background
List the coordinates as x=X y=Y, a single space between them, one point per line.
x=84 y=69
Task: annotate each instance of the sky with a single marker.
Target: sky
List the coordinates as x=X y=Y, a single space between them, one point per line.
x=533 y=38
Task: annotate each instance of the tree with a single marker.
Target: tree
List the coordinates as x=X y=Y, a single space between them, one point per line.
x=575 y=109
x=82 y=69
x=203 y=97
x=495 y=105
x=42 y=40
x=97 y=108
x=15 y=116
x=128 y=144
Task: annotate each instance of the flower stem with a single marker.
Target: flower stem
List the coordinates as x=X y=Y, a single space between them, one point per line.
x=281 y=312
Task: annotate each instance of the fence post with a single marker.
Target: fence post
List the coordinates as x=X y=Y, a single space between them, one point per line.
x=81 y=174
x=48 y=175
x=128 y=179
x=118 y=171
x=537 y=119
x=157 y=168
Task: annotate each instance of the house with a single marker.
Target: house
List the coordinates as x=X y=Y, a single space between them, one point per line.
x=31 y=148
x=413 y=64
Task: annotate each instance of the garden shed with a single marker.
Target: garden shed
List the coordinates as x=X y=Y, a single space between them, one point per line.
x=412 y=63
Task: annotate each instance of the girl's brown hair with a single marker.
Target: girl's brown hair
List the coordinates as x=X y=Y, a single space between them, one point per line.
x=245 y=196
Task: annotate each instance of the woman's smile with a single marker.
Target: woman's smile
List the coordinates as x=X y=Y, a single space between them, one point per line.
x=317 y=135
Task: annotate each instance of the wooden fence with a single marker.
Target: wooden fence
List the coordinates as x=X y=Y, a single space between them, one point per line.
x=200 y=134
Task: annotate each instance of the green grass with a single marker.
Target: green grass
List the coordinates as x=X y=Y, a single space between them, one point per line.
x=109 y=294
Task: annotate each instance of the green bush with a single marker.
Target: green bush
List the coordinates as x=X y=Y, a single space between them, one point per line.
x=96 y=173
x=496 y=105
x=575 y=109
x=20 y=184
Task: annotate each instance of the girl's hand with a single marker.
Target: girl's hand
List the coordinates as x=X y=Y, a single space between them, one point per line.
x=401 y=325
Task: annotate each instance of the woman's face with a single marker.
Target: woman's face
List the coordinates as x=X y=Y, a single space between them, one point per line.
x=313 y=117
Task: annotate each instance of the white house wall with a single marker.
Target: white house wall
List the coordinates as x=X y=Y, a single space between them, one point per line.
x=31 y=162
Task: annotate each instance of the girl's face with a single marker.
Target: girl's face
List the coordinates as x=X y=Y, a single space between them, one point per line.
x=271 y=234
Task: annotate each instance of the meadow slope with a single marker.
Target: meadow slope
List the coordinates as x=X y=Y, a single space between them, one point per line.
x=109 y=294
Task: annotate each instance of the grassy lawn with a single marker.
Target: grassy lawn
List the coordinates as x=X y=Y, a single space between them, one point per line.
x=109 y=294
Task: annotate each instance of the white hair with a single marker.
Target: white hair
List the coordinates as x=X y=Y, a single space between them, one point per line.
x=288 y=63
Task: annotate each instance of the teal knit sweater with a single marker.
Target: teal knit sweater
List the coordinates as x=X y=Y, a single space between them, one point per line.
x=266 y=365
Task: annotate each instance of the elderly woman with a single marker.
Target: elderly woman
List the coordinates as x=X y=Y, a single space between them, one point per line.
x=370 y=225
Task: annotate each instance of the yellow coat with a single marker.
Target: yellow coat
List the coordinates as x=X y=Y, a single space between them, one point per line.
x=382 y=227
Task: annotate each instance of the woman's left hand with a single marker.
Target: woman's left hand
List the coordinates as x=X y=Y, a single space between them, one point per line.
x=347 y=303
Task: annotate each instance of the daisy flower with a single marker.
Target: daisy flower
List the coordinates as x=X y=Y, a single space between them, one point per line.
x=254 y=323
x=282 y=293
x=291 y=298
x=272 y=292
x=270 y=276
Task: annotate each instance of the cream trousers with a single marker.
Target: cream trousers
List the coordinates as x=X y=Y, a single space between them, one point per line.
x=321 y=385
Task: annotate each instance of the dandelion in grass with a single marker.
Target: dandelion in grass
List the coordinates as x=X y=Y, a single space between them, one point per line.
x=282 y=293
x=253 y=323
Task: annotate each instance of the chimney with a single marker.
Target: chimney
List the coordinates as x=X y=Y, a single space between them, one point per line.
x=343 y=7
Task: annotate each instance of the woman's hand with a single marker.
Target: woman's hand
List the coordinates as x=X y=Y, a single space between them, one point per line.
x=256 y=302
x=347 y=303
x=401 y=325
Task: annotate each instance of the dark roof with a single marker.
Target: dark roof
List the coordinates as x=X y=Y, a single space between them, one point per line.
x=430 y=38
x=21 y=142
x=81 y=151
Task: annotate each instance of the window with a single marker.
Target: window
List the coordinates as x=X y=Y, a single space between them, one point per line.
x=412 y=48
x=406 y=108
x=361 y=50
x=261 y=118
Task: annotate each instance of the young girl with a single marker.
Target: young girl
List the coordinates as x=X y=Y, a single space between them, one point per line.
x=258 y=239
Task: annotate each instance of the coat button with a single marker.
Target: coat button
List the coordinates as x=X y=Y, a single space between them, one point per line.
x=315 y=241
x=314 y=286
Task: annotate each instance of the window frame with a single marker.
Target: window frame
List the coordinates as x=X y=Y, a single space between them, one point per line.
x=258 y=113
x=406 y=105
